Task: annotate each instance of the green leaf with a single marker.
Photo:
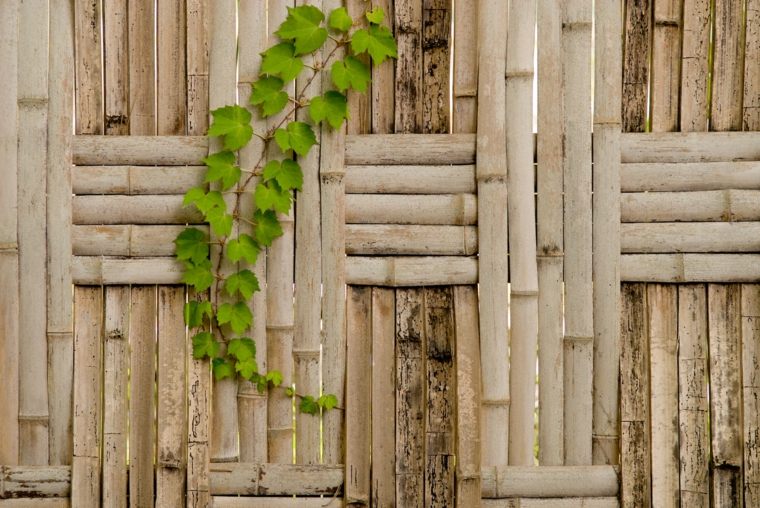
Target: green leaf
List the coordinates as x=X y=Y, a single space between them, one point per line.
x=332 y=106
x=243 y=247
x=204 y=346
x=242 y=349
x=199 y=275
x=204 y=201
x=350 y=72
x=261 y=382
x=243 y=282
x=303 y=25
x=192 y=244
x=339 y=20
x=247 y=368
x=238 y=315
x=328 y=401
x=376 y=40
x=308 y=405
x=280 y=60
x=289 y=391
x=193 y=195
x=267 y=227
x=234 y=123
x=270 y=196
x=222 y=369
x=287 y=173
x=267 y=92
x=220 y=221
x=274 y=377
x=195 y=310
x=221 y=166
x=297 y=136
x=376 y=15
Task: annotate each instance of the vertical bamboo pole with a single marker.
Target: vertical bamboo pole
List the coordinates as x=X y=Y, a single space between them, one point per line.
x=197 y=66
x=550 y=236
x=358 y=419
x=89 y=82
x=59 y=302
x=666 y=65
x=638 y=30
x=693 y=407
x=751 y=102
x=32 y=243
x=724 y=308
x=436 y=56
x=116 y=66
x=383 y=445
x=171 y=83
x=142 y=75
x=9 y=338
x=382 y=88
x=492 y=230
x=750 y=295
x=662 y=300
x=636 y=484
x=606 y=230
x=522 y=231
x=88 y=332
x=409 y=66
x=465 y=87
x=115 y=375
x=359 y=104
x=579 y=316
x=728 y=66
x=694 y=69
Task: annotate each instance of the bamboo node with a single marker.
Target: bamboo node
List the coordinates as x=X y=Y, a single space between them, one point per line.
x=495 y=402
x=306 y=353
x=33 y=418
x=578 y=338
x=520 y=73
x=524 y=293
x=33 y=102
x=11 y=247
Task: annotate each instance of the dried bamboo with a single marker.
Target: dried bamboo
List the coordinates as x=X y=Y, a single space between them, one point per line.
x=89 y=82
x=140 y=241
x=750 y=311
x=694 y=65
x=117 y=209
x=691 y=237
x=751 y=101
x=690 y=267
x=726 y=205
x=636 y=480
x=197 y=66
x=410 y=397
x=116 y=63
x=666 y=65
x=139 y=150
x=142 y=74
x=103 y=270
x=435 y=35
x=409 y=66
x=172 y=411
x=171 y=81
x=88 y=331
x=278 y=502
x=569 y=502
x=412 y=270
x=410 y=179
x=465 y=86
x=550 y=481
x=198 y=412
x=690 y=176
x=492 y=230
x=135 y=180
x=249 y=479
x=728 y=66
x=37 y=481
x=693 y=409
x=383 y=397
x=459 y=209
x=33 y=414
x=724 y=322
x=382 y=88
x=359 y=104
x=358 y=395
x=421 y=240
x=422 y=149
x=638 y=30
x=142 y=445
x=115 y=375
x=690 y=147
x=42 y=503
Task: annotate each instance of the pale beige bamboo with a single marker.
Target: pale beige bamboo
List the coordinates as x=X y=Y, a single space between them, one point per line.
x=358 y=395
x=690 y=147
x=135 y=180
x=492 y=230
x=360 y=104
x=726 y=205
x=420 y=240
x=33 y=414
x=403 y=179
x=409 y=66
x=142 y=73
x=125 y=240
x=751 y=101
x=172 y=411
x=459 y=209
x=37 y=481
x=116 y=66
x=88 y=332
x=278 y=502
x=692 y=176
x=382 y=88
x=142 y=424
x=638 y=35
x=750 y=312
x=411 y=270
x=171 y=81
x=569 y=502
x=465 y=87
x=198 y=413
x=690 y=267
x=549 y=481
x=694 y=69
x=105 y=270
x=693 y=409
x=140 y=150
x=117 y=209
x=422 y=149
x=197 y=66
x=666 y=65
x=691 y=237
x=115 y=416
x=728 y=66
x=89 y=81
x=251 y=479
x=436 y=65
x=383 y=397
x=60 y=314
x=43 y=503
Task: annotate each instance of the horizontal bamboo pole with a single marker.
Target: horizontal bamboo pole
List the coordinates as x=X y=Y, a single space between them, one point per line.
x=113 y=270
x=410 y=149
x=689 y=176
x=133 y=210
x=410 y=179
x=276 y=502
x=411 y=271
x=690 y=146
x=247 y=479
x=459 y=209
x=139 y=150
x=50 y=502
x=690 y=267
x=135 y=179
x=35 y=481
x=568 y=502
x=723 y=205
x=125 y=240
x=384 y=239
x=690 y=237
x=549 y=481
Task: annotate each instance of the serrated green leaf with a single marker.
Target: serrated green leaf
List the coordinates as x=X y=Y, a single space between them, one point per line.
x=328 y=401
x=267 y=92
x=199 y=275
x=297 y=136
x=331 y=106
x=267 y=227
x=204 y=201
x=280 y=60
x=221 y=166
x=195 y=311
x=270 y=196
x=304 y=26
x=261 y=383
x=274 y=377
x=234 y=123
x=237 y=315
x=242 y=349
x=308 y=405
x=376 y=40
x=222 y=369
x=192 y=244
x=287 y=173
x=376 y=15
x=247 y=368
x=204 y=346
x=220 y=221
x=243 y=282
x=243 y=247
x=193 y=195
x=339 y=20
x=350 y=73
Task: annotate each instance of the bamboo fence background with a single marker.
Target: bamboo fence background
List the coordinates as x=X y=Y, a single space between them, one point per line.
x=440 y=256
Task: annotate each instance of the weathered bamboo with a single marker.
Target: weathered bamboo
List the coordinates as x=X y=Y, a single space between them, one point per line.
x=278 y=502
x=410 y=179
x=116 y=67
x=549 y=481
x=691 y=237
x=115 y=416
x=726 y=205
x=751 y=101
x=690 y=176
x=104 y=270
x=358 y=393
x=382 y=88
x=198 y=412
x=142 y=342
x=139 y=150
x=250 y=479
x=666 y=65
x=117 y=209
x=412 y=270
x=465 y=87
x=383 y=397
x=690 y=147
x=750 y=311
x=693 y=409
x=89 y=81
x=638 y=35
x=171 y=414
x=436 y=65
x=459 y=209
x=197 y=33
x=724 y=322
x=492 y=230
x=409 y=66
x=728 y=66
x=171 y=81
x=421 y=240
x=127 y=240
x=694 y=65
x=422 y=149
x=135 y=180
x=359 y=104
x=636 y=480
x=690 y=267
x=568 y=502
x=142 y=73
x=37 y=481
x=56 y=502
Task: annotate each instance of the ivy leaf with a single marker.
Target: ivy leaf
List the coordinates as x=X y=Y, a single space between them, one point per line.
x=350 y=72
x=376 y=15
x=280 y=60
x=192 y=245
x=194 y=312
x=204 y=201
x=339 y=20
x=287 y=173
x=238 y=315
x=204 y=346
x=243 y=247
x=274 y=377
x=332 y=106
x=270 y=196
x=234 y=123
x=247 y=368
x=193 y=195
x=243 y=282
x=222 y=369
x=261 y=382
x=267 y=92
x=328 y=401
x=376 y=40
x=267 y=227
x=242 y=349
x=308 y=405
x=220 y=221
x=221 y=166
x=297 y=136
x=199 y=275
x=303 y=25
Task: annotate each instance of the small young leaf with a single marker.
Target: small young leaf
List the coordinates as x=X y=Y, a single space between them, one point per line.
x=289 y=391
x=270 y=196
x=203 y=201
x=192 y=245
x=328 y=401
x=204 y=346
x=267 y=227
x=267 y=92
x=243 y=282
x=280 y=60
x=350 y=72
x=309 y=405
x=261 y=382
x=222 y=369
x=242 y=349
x=238 y=315
x=287 y=173
x=243 y=247
x=376 y=40
x=297 y=136
x=234 y=123
x=376 y=15
x=247 y=368
x=195 y=311
x=220 y=221
x=199 y=275
x=339 y=20
x=221 y=166
x=303 y=25
x=274 y=377
x=332 y=106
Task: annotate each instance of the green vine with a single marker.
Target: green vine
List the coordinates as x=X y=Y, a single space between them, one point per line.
x=303 y=33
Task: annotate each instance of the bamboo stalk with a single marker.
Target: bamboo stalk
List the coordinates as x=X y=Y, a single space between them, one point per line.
x=690 y=267
x=252 y=479
x=693 y=176
x=135 y=180
x=197 y=66
x=454 y=209
x=410 y=179
x=128 y=240
x=549 y=481
x=666 y=65
x=142 y=150
x=142 y=74
x=359 y=104
x=38 y=481
x=400 y=271
x=103 y=270
x=750 y=312
x=421 y=240
x=276 y=502
x=89 y=82
x=751 y=100
x=638 y=30
x=171 y=81
x=409 y=66
x=570 y=502
x=43 y=503
x=382 y=87
x=436 y=68
x=728 y=66
x=422 y=149
x=116 y=67
x=691 y=237
x=727 y=205
x=117 y=209
x=694 y=65
x=682 y=147
x=383 y=444
x=465 y=87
